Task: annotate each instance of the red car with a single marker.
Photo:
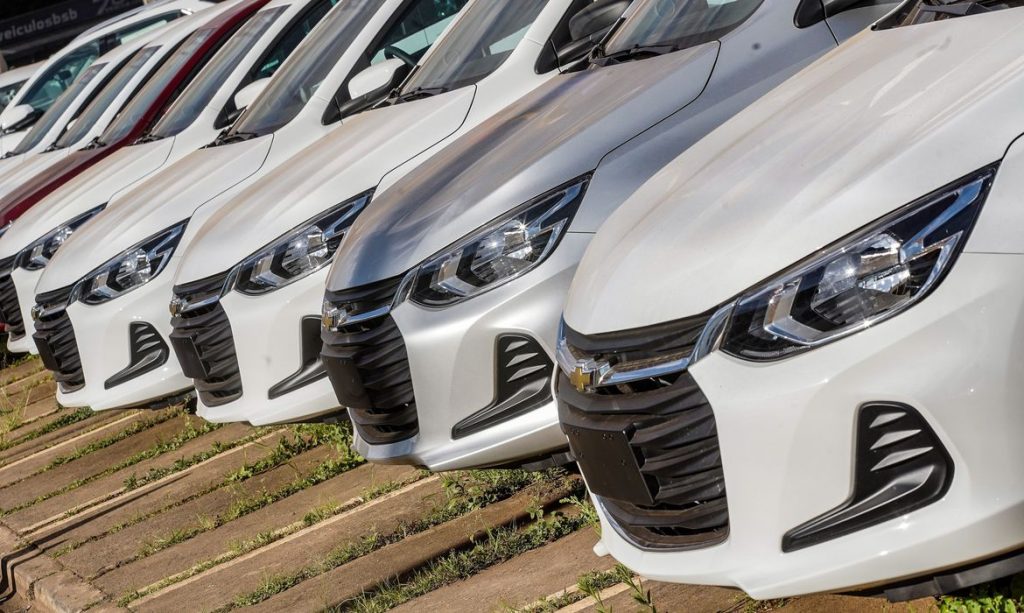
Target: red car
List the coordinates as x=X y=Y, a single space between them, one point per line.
x=141 y=111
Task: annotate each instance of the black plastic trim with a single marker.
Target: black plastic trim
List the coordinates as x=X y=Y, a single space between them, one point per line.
x=148 y=352
x=522 y=383
x=311 y=367
x=957 y=579
x=900 y=466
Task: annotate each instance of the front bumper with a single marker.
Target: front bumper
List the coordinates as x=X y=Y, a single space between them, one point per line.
x=275 y=367
x=786 y=435
x=109 y=338
x=458 y=359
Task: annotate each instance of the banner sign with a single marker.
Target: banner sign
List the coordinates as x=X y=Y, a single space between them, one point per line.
x=60 y=16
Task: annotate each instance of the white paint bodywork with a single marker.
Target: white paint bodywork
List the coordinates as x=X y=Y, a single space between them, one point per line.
x=620 y=122
x=192 y=188
x=372 y=151
x=43 y=157
x=126 y=167
x=117 y=24
x=890 y=116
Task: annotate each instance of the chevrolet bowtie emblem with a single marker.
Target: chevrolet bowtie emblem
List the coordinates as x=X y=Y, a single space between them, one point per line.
x=333 y=317
x=37 y=312
x=582 y=376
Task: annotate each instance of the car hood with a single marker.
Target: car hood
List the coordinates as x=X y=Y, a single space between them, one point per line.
x=349 y=161
x=94 y=187
x=25 y=167
x=559 y=131
x=164 y=199
x=885 y=119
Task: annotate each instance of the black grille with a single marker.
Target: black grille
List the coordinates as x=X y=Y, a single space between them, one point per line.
x=369 y=367
x=55 y=339
x=10 y=309
x=204 y=345
x=649 y=450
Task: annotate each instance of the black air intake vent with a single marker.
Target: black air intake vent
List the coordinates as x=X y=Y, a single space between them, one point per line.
x=899 y=466
x=55 y=339
x=10 y=308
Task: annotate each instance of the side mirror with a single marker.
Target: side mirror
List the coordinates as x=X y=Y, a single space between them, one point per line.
x=245 y=96
x=19 y=117
x=589 y=26
x=379 y=79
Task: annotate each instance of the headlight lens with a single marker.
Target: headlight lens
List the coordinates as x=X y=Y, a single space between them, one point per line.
x=131 y=269
x=37 y=255
x=498 y=252
x=861 y=280
x=301 y=252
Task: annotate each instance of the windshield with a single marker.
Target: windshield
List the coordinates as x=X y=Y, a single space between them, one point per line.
x=677 y=24
x=293 y=86
x=7 y=93
x=49 y=119
x=926 y=11
x=101 y=103
x=198 y=95
x=45 y=91
x=58 y=77
x=143 y=101
x=484 y=37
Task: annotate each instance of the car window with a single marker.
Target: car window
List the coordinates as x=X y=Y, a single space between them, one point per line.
x=58 y=77
x=7 y=93
x=101 y=103
x=486 y=35
x=50 y=118
x=300 y=77
x=142 y=102
x=926 y=11
x=419 y=25
x=197 y=96
x=678 y=24
x=290 y=40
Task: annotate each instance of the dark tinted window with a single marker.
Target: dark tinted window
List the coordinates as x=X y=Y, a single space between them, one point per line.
x=291 y=39
x=197 y=96
x=678 y=23
x=54 y=113
x=141 y=103
x=58 y=77
x=302 y=75
x=485 y=36
x=102 y=102
x=927 y=11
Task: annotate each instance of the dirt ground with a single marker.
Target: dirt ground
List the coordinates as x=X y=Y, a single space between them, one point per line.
x=161 y=511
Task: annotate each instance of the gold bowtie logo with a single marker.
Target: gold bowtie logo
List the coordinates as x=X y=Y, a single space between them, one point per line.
x=581 y=377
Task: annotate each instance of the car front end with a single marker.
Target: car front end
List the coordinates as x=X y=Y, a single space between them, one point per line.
x=792 y=372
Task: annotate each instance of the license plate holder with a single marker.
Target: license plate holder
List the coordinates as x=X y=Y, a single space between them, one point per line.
x=609 y=463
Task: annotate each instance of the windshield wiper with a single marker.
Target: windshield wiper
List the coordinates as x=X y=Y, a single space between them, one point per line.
x=148 y=137
x=95 y=143
x=633 y=53
x=418 y=93
x=234 y=137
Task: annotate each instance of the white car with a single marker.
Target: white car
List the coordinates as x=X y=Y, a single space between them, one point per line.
x=443 y=303
x=792 y=357
x=206 y=107
x=104 y=113
x=274 y=242
x=57 y=73
x=121 y=265
x=11 y=81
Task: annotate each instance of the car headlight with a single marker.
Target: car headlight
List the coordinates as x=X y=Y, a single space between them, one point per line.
x=130 y=270
x=860 y=280
x=37 y=255
x=301 y=252
x=498 y=252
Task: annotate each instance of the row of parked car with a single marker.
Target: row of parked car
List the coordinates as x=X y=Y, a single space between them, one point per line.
x=671 y=241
